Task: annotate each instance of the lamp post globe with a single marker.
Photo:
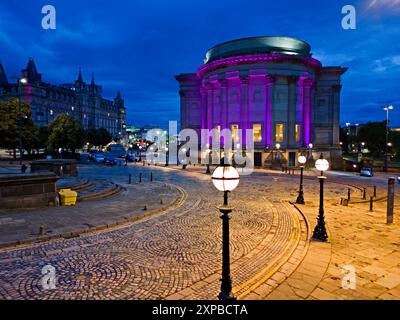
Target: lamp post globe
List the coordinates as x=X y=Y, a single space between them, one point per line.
x=302 y=160
x=322 y=164
x=320 y=230
x=225 y=178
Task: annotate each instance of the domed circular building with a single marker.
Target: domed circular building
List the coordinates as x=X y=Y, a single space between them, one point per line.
x=273 y=86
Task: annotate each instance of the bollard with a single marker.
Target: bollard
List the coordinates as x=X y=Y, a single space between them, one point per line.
x=375 y=191
x=371 y=203
x=42 y=230
x=145 y=207
x=130 y=176
x=348 y=194
x=140 y=177
x=390 y=201
x=143 y=164
x=151 y=176
x=364 y=193
x=161 y=202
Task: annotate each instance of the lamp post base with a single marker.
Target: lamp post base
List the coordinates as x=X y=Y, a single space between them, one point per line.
x=223 y=296
x=226 y=280
x=300 y=198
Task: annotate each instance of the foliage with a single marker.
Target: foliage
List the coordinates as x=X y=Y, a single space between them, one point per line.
x=16 y=115
x=98 y=137
x=66 y=132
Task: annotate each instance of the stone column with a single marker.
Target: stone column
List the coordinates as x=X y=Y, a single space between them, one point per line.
x=210 y=105
x=291 y=122
x=244 y=107
x=203 y=110
x=335 y=115
x=306 y=84
x=183 y=109
x=268 y=127
x=224 y=103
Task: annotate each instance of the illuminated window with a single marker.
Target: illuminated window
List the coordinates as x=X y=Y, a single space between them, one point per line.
x=257 y=132
x=235 y=136
x=297 y=130
x=279 y=127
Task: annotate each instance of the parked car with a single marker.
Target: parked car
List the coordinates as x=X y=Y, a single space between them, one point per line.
x=366 y=172
x=110 y=161
x=98 y=157
x=131 y=157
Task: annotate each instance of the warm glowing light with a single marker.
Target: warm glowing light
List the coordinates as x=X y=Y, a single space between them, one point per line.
x=23 y=80
x=278 y=146
x=225 y=178
x=322 y=164
x=310 y=145
x=302 y=159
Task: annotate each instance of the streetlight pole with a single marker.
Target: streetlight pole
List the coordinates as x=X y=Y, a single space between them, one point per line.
x=300 y=198
x=21 y=155
x=225 y=178
x=320 y=230
x=226 y=281
x=385 y=167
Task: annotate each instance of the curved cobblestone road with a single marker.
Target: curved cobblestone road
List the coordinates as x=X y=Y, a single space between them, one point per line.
x=173 y=255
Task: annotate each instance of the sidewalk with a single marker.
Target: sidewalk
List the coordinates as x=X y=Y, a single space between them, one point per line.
x=22 y=225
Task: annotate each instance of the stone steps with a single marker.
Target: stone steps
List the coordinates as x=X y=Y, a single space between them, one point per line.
x=99 y=189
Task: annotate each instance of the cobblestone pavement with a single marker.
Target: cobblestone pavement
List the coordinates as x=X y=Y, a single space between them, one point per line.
x=24 y=224
x=164 y=255
x=176 y=255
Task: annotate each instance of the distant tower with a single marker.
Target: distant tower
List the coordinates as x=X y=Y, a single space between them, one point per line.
x=31 y=73
x=79 y=81
x=3 y=76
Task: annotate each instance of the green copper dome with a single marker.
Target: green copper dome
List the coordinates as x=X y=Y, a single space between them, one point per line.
x=257 y=45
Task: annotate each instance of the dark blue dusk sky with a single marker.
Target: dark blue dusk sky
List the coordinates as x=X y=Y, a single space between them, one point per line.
x=138 y=46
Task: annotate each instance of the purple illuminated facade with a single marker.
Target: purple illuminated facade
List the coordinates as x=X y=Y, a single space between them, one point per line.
x=273 y=86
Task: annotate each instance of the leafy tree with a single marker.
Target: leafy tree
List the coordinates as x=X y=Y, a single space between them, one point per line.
x=16 y=115
x=40 y=140
x=98 y=137
x=66 y=132
x=104 y=136
x=374 y=136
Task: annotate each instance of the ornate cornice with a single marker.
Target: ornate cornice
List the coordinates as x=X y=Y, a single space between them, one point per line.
x=305 y=82
x=256 y=58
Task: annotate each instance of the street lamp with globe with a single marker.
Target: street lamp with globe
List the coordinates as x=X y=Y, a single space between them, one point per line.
x=225 y=178
x=320 y=230
x=300 y=198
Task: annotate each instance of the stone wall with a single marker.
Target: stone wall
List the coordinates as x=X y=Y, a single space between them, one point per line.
x=61 y=167
x=28 y=190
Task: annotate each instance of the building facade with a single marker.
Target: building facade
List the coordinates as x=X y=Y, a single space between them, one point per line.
x=81 y=100
x=273 y=86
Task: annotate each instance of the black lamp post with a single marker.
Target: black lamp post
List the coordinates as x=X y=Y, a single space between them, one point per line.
x=226 y=179
x=320 y=230
x=21 y=81
x=208 y=151
x=385 y=165
x=300 y=198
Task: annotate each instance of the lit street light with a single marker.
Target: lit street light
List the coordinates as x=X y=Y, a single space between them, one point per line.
x=225 y=178
x=385 y=166
x=300 y=198
x=21 y=119
x=320 y=231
